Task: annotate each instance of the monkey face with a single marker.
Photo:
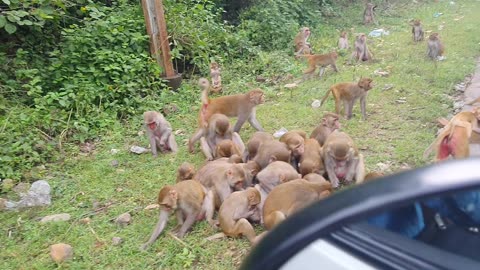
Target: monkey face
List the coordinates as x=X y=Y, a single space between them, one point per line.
x=257 y=96
x=152 y=125
x=299 y=149
x=202 y=82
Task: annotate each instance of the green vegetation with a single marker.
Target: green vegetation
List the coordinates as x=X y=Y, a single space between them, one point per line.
x=84 y=75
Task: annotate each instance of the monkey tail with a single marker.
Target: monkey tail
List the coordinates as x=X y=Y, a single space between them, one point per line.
x=326 y=96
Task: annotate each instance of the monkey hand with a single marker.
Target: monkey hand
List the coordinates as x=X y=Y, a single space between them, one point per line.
x=176 y=229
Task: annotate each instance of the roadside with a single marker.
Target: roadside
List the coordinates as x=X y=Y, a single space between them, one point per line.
x=472 y=92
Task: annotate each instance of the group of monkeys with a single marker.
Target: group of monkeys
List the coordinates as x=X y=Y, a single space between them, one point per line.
x=266 y=180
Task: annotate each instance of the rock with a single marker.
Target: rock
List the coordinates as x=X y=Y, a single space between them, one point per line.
x=460 y=87
x=260 y=79
x=7 y=185
x=21 y=188
x=170 y=108
x=114 y=163
x=138 y=150
x=290 y=85
x=387 y=86
x=87 y=147
x=152 y=206
x=381 y=73
x=85 y=221
x=55 y=218
x=116 y=241
x=458 y=105
x=316 y=103
x=383 y=166
x=114 y=151
x=124 y=219
x=61 y=252
x=38 y=195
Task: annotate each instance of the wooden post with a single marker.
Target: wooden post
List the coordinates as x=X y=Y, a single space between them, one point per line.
x=157 y=30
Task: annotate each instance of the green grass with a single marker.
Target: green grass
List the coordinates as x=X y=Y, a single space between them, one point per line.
x=395 y=134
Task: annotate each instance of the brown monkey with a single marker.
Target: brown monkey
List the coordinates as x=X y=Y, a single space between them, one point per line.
x=435 y=47
x=216 y=78
x=322 y=61
x=417 y=31
x=372 y=176
x=328 y=124
x=271 y=151
x=217 y=130
x=186 y=171
x=454 y=138
x=235 y=210
x=361 y=51
x=474 y=139
x=343 y=41
x=368 y=14
x=222 y=178
x=288 y=198
x=314 y=178
x=302 y=46
x=295 y=141
x=276 y=173
x=348 y=93
x=235 y=159
x=254 y=143
x=191 y=202
x=159 y=133
x=240 y=105
x=226 y=148
x=311 y=160
x=251 y=169
x=342 y=159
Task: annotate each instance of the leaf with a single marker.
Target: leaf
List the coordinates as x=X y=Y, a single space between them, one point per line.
x=10 y=28
x=6 y=2
x=3 y=21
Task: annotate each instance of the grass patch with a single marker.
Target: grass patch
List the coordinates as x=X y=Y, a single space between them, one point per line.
x=400 y=126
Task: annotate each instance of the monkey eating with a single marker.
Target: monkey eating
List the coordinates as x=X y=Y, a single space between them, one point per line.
x=186 y=171
x=417 y=31
x=271 y=151
x=348 y=93
x=295 y=141
x=217 y=130
x=454 y=138
x=328 y=124
x=311 y=160
x=190 y=201
x=159 y=133
x=288 y=198
x=342 y=159
x=368 y=13
x=216 y=78
x=361 y=51
x=242 y=106
x=302 y=46
x=227 y=148
x=435 y=47
x=254 y=143
x=343 y=41
x=234 y=212
x=322 y=61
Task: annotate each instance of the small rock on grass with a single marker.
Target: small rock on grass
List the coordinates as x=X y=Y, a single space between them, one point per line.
x=21 y=188
x=124 y=219
x=152 y=206
x=116 y=241
x=61 y=252
x=7 y=185
x=56 y=217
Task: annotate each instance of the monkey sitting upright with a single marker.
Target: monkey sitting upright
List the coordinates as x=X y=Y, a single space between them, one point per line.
x=159 y=133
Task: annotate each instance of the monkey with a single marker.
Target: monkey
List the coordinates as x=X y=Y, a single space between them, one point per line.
x=257 y=138
x=435 y=47
x=302 y=47
x=190 y=200
x=242 y=106
x=222 y=178
x=314 y=178
x=234 y=212
x=295 y=141
x=217 y=130
x=454 y=138
x=372 y=176
x=186 y=171
x=417 y=31
x=251 y=169
x=342 y=159
x=311 y=160
x=235 y=159
x=474 y=139
x=271 y=151
x=226 y=148
x=348 y=93
x=328 y=124
x=368 y=14
x=159 y=132
x=288 y=198
x=343 y=41
x=216 y=78
x=322 y=61
x=361 y=51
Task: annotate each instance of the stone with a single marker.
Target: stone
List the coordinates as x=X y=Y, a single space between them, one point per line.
x=55 y=218
x=124 y=219
x=21 y=188
x=138 y=150
x=38 y=195
x=7 y=184
x=85 y=221
x=116 y=241
x=316 y=103
x=114 y=163
x=61 y=252
x=114 y=151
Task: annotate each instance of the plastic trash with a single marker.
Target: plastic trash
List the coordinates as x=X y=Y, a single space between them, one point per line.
x=280 y=132
x=379 y=32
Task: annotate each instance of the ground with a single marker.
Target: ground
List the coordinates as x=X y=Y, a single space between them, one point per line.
x=400 y=125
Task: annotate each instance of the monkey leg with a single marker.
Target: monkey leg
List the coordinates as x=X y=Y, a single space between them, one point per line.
x=209 y=207
x=240 y=121
x=459 y=145
x=172 y=144
x=360 y=170
x=180 y=220
x=444 y=149
x=187 y=224
x=273 y=219
x=252 y=119
x=198 y=134
x=321 y=72
x=242 y=227
x=206 y=150
x=237 y=140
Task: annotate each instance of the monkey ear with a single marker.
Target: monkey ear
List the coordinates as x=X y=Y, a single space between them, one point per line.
x=229 y=172
x=173 y=194
x=282 y=178
x=272 y=159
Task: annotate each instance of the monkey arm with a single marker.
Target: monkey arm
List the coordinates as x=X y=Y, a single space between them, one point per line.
x=238 y=141
x=330 y=168
x=191 y=217
x=253 y=121
x=360 y=170
x=153 y=143
x=206 y=150
x=198 y=134
x=167 y=131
